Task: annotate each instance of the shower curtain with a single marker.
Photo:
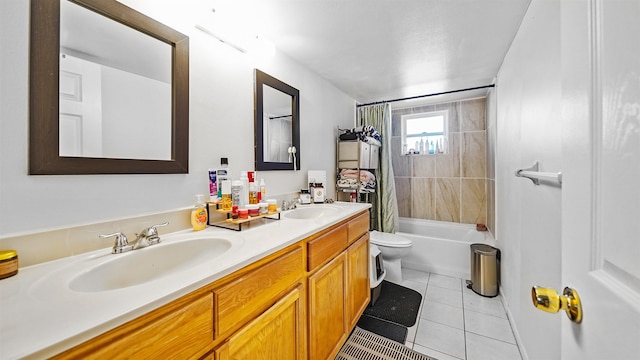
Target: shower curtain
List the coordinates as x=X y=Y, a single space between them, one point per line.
x=384 y=205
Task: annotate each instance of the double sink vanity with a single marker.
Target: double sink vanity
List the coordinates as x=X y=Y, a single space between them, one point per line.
x=292 y=289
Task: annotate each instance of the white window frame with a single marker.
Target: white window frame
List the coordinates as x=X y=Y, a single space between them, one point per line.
x=427 y=114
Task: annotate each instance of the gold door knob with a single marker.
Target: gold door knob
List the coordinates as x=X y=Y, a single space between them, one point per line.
x=549 y=300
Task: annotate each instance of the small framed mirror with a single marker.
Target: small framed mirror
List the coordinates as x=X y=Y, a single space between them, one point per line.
x=277 y=124
x=108 y=89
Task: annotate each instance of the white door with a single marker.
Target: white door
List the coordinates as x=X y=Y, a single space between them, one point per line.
x=80 y=107
x=601 y=177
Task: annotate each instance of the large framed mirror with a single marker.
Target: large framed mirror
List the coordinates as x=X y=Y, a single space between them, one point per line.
x=277 y=124
x=108 y=91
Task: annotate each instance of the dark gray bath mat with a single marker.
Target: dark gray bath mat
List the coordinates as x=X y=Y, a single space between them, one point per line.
x=384 y=328
x=365 y=345
x=397 y=304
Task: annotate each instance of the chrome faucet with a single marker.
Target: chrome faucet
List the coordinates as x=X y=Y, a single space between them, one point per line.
x=290 y=204
x=146 y=237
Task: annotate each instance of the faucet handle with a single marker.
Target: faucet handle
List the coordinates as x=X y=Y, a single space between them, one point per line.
x=151 y=233
x=121 y=244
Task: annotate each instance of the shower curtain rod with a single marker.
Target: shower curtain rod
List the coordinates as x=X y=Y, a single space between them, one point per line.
x=278 y=117
x=426 y=95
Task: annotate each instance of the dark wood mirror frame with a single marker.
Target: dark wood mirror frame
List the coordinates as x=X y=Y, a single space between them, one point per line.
x=261 y=79
x=44 y=61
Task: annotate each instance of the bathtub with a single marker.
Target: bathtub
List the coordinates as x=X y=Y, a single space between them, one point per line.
x=441 y=247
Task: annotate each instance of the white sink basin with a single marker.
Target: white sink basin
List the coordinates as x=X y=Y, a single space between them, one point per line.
x=312 y=212
x=147 y=264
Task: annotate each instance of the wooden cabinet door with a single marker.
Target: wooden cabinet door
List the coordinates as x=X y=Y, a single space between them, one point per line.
x=279 y=333
x=358 y=286
x=327 y=309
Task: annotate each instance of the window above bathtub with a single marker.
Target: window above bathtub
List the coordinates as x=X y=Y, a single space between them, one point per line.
x=425 y=133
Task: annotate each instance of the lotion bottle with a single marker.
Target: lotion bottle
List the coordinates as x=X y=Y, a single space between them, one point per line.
x=199 y=214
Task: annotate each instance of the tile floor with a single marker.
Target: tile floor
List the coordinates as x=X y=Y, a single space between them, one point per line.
x=454 y=323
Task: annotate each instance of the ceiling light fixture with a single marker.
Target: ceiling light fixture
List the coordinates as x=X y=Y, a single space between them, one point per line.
x=230 y=31
x=220 y=38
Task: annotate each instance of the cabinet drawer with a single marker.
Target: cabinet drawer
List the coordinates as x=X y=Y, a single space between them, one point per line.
x=326 y=247
x=255 y=291
x=179 y=334
x=358 y=226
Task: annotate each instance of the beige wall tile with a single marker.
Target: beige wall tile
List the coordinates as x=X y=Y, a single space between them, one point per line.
x=473 y=156
x=401 y=164
x=448 y=199
x=403 y=195
x=422 y=198
x=396 y=122
x=448 y=165
x=424 y=166
x=430 y=187
x=474 y=199
x=453 y=119
x=472 y=115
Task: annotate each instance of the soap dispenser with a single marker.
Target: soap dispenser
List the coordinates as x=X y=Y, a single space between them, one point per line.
x=199 y=214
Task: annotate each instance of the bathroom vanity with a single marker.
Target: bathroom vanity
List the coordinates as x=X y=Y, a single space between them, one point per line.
x=293 y=289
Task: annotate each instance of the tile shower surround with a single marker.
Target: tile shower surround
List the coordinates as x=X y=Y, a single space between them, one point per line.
x=446 y=187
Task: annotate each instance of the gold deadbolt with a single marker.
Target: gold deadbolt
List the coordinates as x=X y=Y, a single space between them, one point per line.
x=549 y=300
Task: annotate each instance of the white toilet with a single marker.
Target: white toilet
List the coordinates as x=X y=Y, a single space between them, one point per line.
x=393 y=248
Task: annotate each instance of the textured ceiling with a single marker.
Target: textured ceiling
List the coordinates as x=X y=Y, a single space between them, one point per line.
x=385 y=49
x=375 y=49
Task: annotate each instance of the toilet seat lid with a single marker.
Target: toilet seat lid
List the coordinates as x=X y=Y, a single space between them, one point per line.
x=387 y=239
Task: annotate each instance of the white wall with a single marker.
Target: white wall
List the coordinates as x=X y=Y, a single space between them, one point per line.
x=528 y=216
x=221 y=125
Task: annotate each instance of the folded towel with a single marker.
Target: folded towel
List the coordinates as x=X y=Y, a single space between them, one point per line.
x=362 y=133
x=371 y=141
x=363 y=175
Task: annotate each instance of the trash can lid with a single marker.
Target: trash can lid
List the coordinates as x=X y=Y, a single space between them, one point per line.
x=483 y=249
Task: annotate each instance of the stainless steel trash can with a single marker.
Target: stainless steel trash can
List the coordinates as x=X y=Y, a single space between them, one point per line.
x=485 y=269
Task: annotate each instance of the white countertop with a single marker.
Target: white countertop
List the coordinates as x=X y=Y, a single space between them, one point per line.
x=40 y=316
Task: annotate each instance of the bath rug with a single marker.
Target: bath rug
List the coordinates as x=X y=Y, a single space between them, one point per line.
x=365 y=345
x=388 y=329
x=397 y=304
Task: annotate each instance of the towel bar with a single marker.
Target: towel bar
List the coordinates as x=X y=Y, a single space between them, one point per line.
x=534 y=175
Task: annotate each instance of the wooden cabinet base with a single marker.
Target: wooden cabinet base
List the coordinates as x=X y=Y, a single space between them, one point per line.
x=299 y=303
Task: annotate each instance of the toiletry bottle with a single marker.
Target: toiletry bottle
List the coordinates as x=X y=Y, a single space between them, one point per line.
x=311 y=191
x=305 y=197
x=199 y=214
x=226 y=201
x=244 y=200
x=213 y=185
x=262 y=194
x=318 y=193
x=236 y=198
x=222 y=174
x=253 y=193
